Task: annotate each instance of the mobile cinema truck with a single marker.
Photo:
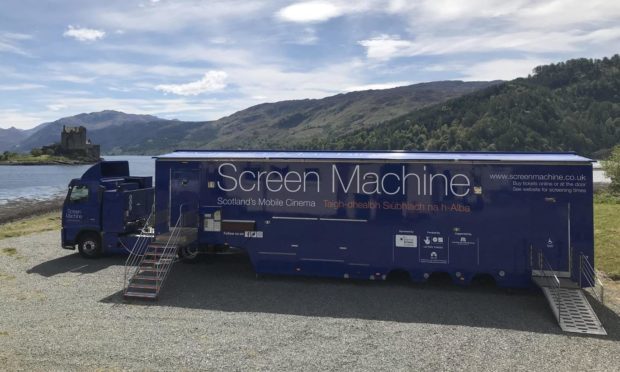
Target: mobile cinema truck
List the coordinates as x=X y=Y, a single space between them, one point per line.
x=520 y=218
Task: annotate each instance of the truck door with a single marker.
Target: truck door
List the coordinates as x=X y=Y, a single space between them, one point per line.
x=184 y=196
x=550 y=229
x=81 y=208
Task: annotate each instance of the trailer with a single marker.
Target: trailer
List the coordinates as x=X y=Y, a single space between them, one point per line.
x=522 y=219
x=366 y=214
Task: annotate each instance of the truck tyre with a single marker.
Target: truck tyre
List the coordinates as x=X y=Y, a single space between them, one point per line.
x=189 y=254
x=89 y=245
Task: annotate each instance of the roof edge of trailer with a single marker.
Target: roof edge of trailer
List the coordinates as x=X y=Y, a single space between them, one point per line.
x=487 y=156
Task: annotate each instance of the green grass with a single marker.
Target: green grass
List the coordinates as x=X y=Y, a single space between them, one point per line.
x=6 y=277
x=41 y=159
x=44 y=222
x=607 y=238
x=9 y=251
x=604 y=196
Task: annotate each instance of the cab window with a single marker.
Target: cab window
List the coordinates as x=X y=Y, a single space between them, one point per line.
x=79 y=193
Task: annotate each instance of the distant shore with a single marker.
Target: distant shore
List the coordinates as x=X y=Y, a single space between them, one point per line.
x=46 y=162
x=28 y=159
x=22 y=208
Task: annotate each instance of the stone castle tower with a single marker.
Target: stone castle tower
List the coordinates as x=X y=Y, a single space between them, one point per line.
x=73 y=141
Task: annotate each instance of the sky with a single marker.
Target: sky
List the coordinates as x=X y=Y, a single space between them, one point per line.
x=202 y=60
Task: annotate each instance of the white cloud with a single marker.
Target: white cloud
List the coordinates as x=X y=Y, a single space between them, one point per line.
x=385 y=47
x=277 y=82
x=175 y=15
x=305 y=37
x=501 y=69
x=84 y=34
x=309 y=11
x=211 y=81
x=389 y=85
x=23 y=86
x=9 y=43
x=57 y=106
x=19 y=119
x=192 y=52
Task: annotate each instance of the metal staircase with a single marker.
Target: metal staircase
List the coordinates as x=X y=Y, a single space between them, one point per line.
x=566 y=298
x=150 y=261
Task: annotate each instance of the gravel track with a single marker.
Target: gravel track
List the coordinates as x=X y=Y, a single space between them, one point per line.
x=61 y=312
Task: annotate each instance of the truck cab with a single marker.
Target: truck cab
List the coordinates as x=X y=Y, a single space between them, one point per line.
x=105 y=209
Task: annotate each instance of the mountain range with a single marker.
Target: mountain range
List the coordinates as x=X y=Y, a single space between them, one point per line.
x=260 y=126
x=567 y=106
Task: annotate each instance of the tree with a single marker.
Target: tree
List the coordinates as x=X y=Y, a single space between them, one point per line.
x=36 y=152
x=611 y=166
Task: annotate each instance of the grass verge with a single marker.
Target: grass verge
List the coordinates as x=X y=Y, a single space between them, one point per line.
x=607 y=238
x=44 y=222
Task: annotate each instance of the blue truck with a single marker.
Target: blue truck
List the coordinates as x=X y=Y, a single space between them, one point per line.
x=105 y=210
x=518 y=218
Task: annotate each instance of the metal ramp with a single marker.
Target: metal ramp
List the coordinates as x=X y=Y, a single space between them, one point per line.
x=150 y=261
x=573 y=311
x=568 y=302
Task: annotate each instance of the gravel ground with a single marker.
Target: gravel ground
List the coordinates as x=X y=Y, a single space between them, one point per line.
x=61 y=312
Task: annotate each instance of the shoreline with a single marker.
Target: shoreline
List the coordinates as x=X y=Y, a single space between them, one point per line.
x=21 y=208
x=10 y=163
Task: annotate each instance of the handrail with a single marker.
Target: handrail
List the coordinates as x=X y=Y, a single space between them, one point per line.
x=137 y=251
x=165 y=263
x=588 y=274
x=166 y=254
x=552 y=280
x=165 y=260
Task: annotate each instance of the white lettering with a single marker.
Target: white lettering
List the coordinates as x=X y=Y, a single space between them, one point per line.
x=354 y=181
x=233 y=179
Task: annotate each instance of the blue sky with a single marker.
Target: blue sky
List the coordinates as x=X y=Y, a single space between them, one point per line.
x=201 y=60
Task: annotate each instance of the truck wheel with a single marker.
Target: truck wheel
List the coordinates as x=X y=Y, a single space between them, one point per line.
x=189 y=253
x=89 y=245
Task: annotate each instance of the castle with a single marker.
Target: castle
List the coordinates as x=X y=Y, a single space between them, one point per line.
x=73 y=140
x=74 y=144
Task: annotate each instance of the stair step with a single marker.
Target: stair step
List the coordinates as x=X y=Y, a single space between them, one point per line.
x=142 y=286
x=162 y=248
x=145 y=277
x=160 y=255
x=143 y=269
x=141 y=295
x=158 y=261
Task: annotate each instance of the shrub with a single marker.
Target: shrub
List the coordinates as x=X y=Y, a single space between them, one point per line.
x=36 y=152
x=611 y=166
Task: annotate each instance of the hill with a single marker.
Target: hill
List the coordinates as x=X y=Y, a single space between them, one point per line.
x=11 y=136
x=115 y=121
x=568 y=106
x=268 y=125
x=274 y=125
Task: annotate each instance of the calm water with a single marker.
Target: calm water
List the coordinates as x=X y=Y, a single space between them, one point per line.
x=47 y=181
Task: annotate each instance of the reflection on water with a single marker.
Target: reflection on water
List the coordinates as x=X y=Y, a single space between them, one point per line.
x=41 y=182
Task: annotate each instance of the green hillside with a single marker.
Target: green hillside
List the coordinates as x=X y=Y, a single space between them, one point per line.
x=573 y=105
x=275 y=125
